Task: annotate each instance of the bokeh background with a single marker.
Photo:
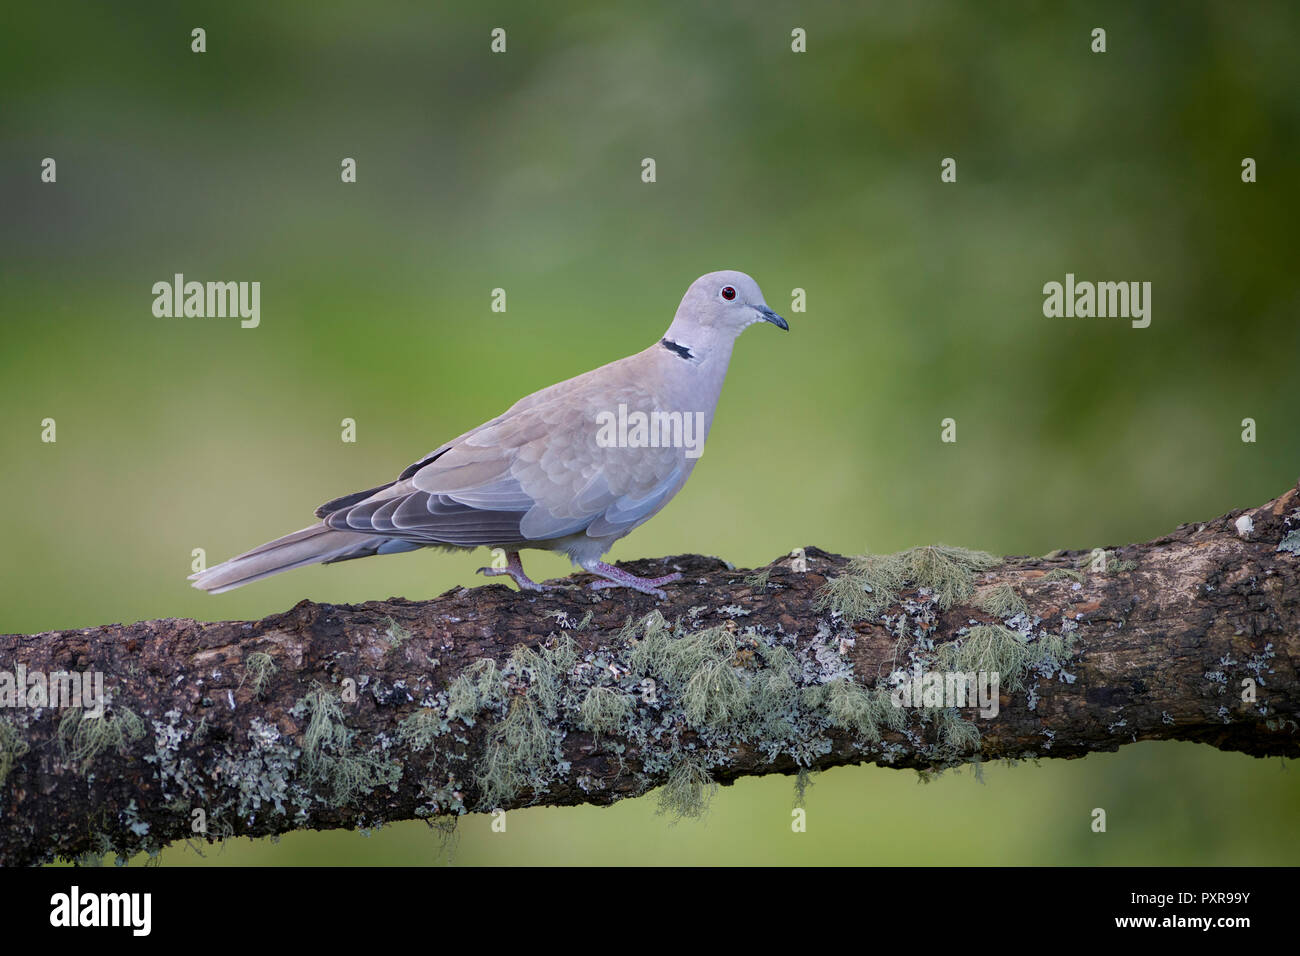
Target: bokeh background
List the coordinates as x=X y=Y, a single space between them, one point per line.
x=522 y=171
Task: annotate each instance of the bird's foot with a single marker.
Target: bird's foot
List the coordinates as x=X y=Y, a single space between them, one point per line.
x=618 y=578
x=515 y=568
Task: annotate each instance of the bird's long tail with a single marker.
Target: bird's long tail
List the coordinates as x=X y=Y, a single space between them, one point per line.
x=315 y=545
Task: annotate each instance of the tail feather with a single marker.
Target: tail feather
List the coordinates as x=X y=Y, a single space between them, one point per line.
x=314 y=545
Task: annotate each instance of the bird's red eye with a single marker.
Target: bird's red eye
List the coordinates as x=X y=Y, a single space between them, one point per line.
x=728 y=293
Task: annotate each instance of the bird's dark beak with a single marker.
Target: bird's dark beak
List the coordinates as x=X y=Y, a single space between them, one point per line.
x=772 y=317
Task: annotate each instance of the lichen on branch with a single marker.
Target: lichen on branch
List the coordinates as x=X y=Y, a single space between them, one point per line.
x=489 y=698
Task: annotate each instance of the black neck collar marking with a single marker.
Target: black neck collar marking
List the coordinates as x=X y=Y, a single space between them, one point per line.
x=681 y=351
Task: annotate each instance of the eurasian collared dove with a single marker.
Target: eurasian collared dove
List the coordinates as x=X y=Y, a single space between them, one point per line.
x=571 y=468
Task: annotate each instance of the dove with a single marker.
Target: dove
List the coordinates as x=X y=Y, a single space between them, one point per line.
x=572 y=468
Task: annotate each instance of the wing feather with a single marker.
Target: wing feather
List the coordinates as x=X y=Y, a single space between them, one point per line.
x=535 y=473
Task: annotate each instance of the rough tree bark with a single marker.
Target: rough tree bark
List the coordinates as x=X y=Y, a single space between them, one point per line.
x=252 y=728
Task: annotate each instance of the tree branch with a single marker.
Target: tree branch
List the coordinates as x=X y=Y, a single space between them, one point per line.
x=340 y=716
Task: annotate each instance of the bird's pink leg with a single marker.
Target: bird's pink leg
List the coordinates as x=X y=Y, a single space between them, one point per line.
x=618 y=578
x=515 y=568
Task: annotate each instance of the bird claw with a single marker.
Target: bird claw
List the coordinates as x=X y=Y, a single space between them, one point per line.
x=653 y=592
x=517 y=575
x=644 y=585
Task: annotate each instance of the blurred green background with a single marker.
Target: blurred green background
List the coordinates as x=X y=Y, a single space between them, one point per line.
x=522 y=171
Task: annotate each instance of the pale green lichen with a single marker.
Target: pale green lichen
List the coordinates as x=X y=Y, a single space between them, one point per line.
x=855 y=708
x=688 y=791
x=955 y=732
x=12 y=748
x=478 y=687
x=869 y=586
x=326 y=730
x=774 y=692
x=423 y=729
x=650 y=638
x=356 y=774
x=518 y=748
x=681 y=701
x=396 y=635
x=83 y=737
x=1064 y=574
x=604 y=710
x=521 y=750
x=992 y=649
x=995 y=649
x=703 y=664
x=948 y=572
x=329 y=754
x=259 y=668
x=1001 y=600
x=670 y=704
x=547 y=672
x=872 y=582
x=802 y=784
x=1291 y=542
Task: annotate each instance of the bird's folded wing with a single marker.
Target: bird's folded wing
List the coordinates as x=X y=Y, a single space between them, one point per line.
x=535 y=473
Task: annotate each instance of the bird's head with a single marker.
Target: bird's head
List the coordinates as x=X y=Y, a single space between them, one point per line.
x=718 y=307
